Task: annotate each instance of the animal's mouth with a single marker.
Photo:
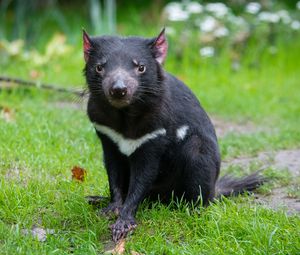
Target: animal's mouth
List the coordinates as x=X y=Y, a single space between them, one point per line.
x=119 y=100
x=119 y=103
x=120 y=95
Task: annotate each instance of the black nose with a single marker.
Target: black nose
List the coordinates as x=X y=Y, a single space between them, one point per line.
x=118 y=90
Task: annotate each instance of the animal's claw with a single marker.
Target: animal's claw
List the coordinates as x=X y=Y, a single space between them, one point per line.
x=111 y=209
x=121 y=228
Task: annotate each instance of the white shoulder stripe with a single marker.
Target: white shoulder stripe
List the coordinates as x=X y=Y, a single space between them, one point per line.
x=127 y=146
x=181 y=132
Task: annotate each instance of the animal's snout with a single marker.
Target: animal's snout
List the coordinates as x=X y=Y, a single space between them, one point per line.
x=118 y=90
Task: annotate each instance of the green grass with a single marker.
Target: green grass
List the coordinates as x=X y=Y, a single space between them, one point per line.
x=44 y=141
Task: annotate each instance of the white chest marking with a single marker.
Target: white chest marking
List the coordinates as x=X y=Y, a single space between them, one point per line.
x=128 y=146
x=181 y=132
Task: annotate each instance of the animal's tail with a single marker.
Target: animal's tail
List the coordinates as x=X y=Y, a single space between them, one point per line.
x=231 y=186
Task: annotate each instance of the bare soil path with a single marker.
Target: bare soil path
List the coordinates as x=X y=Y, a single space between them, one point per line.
x=282 y=160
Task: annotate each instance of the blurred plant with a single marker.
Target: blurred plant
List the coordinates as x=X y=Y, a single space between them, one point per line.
x=32 y=20
x=103 y=20
x=19 y=19
x=217 y=27
x=55 y=49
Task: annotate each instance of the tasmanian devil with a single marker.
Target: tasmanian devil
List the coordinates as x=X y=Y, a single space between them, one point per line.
x=157 y=140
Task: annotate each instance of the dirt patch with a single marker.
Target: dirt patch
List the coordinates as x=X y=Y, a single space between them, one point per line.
x=284 y=159
x=279 y=199
x=224 y=127
x=13 y=174
x=39 y=233
x=289 y=159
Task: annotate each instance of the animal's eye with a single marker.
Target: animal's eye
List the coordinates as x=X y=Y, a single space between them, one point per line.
x=99 y=68
x=141 y=68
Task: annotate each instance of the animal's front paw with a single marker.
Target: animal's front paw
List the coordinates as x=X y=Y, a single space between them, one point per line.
x=112 y=209
x=121 y=228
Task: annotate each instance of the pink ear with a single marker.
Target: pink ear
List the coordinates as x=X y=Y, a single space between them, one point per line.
x=160 y=47
x=86 y=45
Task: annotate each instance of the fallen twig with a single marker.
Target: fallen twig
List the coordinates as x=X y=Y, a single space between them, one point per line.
x=41 y=85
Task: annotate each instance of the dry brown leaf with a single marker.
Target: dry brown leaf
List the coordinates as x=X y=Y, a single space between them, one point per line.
x=78 y=173
x=119 y=249
x=34 y=74
x=7 y=114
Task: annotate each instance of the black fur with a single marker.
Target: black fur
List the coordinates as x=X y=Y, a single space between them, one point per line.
x=164 y=166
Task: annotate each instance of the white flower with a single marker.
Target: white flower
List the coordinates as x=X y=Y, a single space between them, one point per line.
x=218 y=9
x=173 y=6
x=221 y=32
x=238 y=21
x=295 y=25
x=175 y=12
x=194 y=7
x=253 y=7
x=170 y=31
x=298 y=5
x=269 y=17
x=207 y=51
x=208 y=24
x=284 y=16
